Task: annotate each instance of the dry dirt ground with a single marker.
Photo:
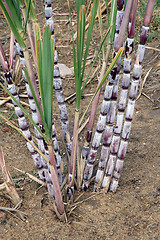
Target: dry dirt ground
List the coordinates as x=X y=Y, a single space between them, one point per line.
x=133 y=212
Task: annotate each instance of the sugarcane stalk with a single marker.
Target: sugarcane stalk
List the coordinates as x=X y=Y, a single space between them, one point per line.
x=113 y=80
x=145 y=30
x=121 y=23
x=41 y=142
x=122 y=103
x=58 y=81
x=21 y=118
x=116 y=134
x=85 y=149
x=58 y=196
x=132 y=97
x=127 y=126
x=62 y=108
x=48 y=42
x=119 y=18
x=115 y=140
x=105 y=109
x=104 y=156
x=23 y=124
x=25 y=61
x=131 y=29
x=72 y=167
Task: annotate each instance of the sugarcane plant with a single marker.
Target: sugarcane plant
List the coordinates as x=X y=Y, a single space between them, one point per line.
x=42 y=103
x=22 y=19
x=44 y=51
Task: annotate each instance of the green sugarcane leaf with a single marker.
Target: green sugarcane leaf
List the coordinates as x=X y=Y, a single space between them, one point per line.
x=46 y=83
x=27 y=15
x=74 y=48
x=32 y=13
x=39 y=47
x=113 y=20
x=37 y=38
x=14 y=7
x=108 y=12
x=101 y=27
x=79 y=3
x=80 y=38
x=12 y=26
x=52 y=56
x=80 y=47
x=90 y=28
x=25 y=112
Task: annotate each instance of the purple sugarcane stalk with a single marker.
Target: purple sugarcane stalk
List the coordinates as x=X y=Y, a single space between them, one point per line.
x=85 y=149
x=131 y=30
x=21 y=118
x=120 y=4
x=132 y=97
x=58 y=81
x=23 y=124
x=127 y=126
x=121 y=24
x=13 y=51
x=107 y=107
x=97 y=137
x=109 y=127
x=46 y=176
x=145 y=30
x=122 y=102
x=124 y=25
x=119 y=18
x=72 y=167
x=118 y=125
x=114 y=82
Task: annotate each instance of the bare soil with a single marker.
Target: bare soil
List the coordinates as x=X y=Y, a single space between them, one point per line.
x=133 y=212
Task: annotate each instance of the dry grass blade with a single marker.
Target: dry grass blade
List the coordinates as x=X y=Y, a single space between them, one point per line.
x=84 y=224
x=74 y=206
x=2 y=186
x=145 y=78
x=83 y=126
x=79 y=197
x=12 y=210
x=31 y=177
x=145 y=95
x=20 y=213
x=157 y=64
x=4 y=101
x=154 y=49
x=86 y=199
x=16 y=72
x=8 y=182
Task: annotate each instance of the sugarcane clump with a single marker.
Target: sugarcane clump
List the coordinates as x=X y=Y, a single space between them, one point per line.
x=114 y=123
